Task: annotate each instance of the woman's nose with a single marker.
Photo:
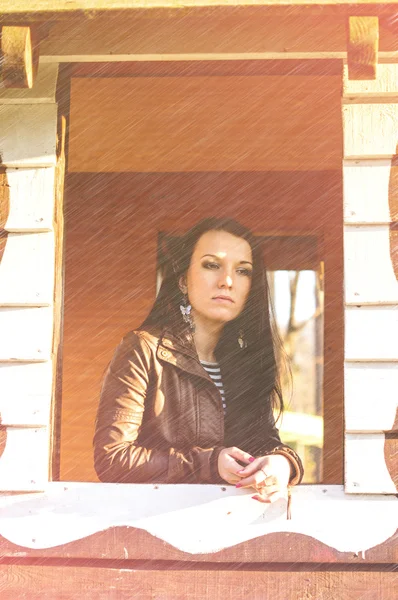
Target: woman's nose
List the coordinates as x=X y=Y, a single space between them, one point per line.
x=225 y=281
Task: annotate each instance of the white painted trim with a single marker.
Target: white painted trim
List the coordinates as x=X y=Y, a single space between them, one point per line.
x=43 y=90
x=197 y=56
x=192 y=56
x=195 y=518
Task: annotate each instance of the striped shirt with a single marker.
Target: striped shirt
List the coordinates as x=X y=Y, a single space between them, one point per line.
x=214 y=371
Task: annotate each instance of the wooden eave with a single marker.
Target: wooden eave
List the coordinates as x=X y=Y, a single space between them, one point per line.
x=207 y=34
x=129 y=30
x=22 y=10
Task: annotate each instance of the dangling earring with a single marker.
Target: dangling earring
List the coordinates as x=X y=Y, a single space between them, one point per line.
x=186 y=309
x=241 y=339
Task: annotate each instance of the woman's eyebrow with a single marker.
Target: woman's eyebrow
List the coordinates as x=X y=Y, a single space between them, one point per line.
x=241 y=262
x=212 y=255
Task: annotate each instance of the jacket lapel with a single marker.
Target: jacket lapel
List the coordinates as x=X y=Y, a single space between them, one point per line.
x=180 y=351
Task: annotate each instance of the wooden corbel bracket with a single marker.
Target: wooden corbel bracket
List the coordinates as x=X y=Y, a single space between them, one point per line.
x=20 y=55
x=362 y=47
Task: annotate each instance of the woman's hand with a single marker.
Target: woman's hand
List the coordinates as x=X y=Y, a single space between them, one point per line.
x=228 y=468
x=269 y=475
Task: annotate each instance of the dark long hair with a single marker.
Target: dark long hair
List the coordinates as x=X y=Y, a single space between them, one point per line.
x=254 y=367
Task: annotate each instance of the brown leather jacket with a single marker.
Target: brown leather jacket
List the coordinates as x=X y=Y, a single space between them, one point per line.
x=160 y=417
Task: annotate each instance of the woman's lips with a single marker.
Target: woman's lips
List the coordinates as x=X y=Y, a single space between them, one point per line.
x=223 y=299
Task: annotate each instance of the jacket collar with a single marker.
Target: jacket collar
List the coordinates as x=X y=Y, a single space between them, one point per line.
x=181 y=341
x=178 y=349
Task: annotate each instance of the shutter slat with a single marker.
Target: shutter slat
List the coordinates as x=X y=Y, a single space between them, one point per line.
x=31 y=199
x=366 y=470
x=27 y=270
x=24 y=459
x=370 y=130
x=367 y=386
x=369 y=272
x=371 y=334
x=366 y=191
x=28 y=135
x=25 y=334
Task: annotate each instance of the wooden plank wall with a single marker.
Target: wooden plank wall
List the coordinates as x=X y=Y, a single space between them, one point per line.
x=194 y=123
x=29 y=158
x=370 y=116
x=172 y=584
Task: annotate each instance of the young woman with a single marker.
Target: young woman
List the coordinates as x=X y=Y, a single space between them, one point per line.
x=189 y=396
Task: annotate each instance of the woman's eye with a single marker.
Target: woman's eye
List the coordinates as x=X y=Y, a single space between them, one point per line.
x=211 y=265
x=245 y=272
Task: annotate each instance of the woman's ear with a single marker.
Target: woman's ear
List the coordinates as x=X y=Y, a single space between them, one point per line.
x=182 y=284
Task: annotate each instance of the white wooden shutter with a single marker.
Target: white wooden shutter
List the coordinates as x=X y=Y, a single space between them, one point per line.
x=370 y=121
x=28 y=147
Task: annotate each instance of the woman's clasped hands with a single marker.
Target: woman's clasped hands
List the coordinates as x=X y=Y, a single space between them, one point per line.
x=268 y=475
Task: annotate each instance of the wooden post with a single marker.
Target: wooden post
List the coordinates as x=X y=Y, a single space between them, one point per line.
x=362 y=47
x=20 y=52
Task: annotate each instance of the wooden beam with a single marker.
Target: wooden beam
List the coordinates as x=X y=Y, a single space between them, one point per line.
x=218 y=34
x=57 y=342
x=43 y=7
x=212 y=68
x=91 y=581
x=20 y=51
x=253 y=33
x=47 y=12
x=362 y=47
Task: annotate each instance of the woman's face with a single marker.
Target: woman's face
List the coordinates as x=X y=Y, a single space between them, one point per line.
x=218 y=280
